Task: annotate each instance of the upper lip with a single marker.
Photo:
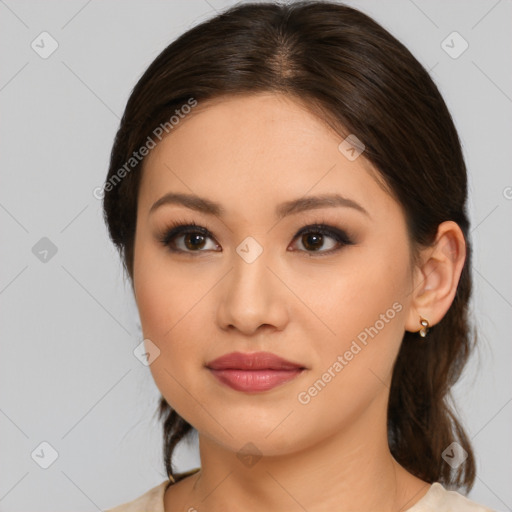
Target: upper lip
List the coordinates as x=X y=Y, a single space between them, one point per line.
x=253 y=361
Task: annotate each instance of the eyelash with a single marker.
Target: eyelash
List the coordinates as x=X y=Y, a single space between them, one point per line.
x=180 y=227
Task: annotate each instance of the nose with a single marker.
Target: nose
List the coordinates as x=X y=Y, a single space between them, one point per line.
x=251 y=298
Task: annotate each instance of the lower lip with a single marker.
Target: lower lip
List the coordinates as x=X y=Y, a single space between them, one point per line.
x=255 y=380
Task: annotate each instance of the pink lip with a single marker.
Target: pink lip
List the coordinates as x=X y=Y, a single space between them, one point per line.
x=259 y=371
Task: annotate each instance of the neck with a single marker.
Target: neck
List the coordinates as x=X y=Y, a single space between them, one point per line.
x=351 y=469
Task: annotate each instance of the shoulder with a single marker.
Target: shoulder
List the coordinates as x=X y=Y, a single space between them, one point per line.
x=439 y=499
x=151 y=500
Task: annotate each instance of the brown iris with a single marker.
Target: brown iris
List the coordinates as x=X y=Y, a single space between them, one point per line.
x=194 y=241
x=312 y=241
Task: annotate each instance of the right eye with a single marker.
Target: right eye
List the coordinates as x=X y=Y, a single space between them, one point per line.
x=187 y=238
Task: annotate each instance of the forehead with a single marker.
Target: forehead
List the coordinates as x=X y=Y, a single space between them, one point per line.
x=261 y=145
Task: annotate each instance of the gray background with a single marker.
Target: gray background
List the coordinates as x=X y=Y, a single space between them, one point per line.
x=69 y=325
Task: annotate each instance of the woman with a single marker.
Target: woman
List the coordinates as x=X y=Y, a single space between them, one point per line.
x=288 y=194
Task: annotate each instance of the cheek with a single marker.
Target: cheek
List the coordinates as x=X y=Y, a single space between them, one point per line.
x=164 y=293
x=365 y=307
x=356 y=295
x=173 y=316
x=152 y=301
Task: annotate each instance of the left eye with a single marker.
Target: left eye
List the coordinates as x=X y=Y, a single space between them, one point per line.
x=313 y=238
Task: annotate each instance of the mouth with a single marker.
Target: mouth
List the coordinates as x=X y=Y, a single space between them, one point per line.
x=260 y=371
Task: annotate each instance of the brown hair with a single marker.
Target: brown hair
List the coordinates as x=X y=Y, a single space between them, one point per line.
x=357 y=77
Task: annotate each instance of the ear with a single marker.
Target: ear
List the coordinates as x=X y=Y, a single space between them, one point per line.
x=436 y=276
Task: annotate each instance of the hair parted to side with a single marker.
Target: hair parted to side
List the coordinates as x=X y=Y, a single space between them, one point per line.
x=357 y=77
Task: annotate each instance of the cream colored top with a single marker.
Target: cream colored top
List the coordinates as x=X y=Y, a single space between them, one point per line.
x=437 y=499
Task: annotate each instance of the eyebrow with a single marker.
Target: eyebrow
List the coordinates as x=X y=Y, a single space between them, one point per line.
x=207 y=206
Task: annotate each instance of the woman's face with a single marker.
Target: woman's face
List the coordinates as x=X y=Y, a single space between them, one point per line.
x=335 y=303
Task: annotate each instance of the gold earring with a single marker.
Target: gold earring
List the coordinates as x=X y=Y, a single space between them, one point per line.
x=424 y=327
